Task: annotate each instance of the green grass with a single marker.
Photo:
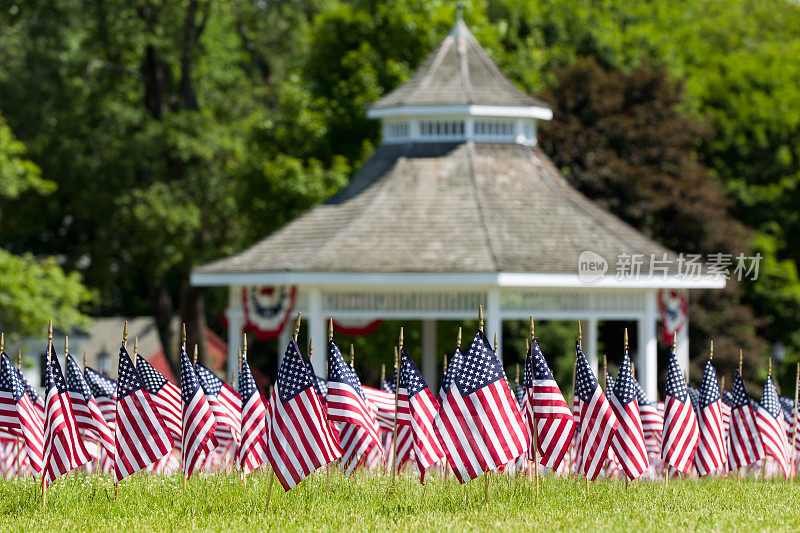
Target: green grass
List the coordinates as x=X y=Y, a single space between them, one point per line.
x=366 y=503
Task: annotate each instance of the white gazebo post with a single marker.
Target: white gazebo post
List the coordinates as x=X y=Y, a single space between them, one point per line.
x=317 y=330
x=682 y=347
x=429 y=352
x=235 y=325
x=590 y=345
x=494 y=324
x=647 y=360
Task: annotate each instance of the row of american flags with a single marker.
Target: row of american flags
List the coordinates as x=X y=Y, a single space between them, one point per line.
x=477 y=422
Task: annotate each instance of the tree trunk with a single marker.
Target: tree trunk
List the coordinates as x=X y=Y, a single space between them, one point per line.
x=193 y=314
x=163 y=311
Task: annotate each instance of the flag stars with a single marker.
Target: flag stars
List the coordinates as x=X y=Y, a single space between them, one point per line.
x=480 y=366
x=625 y=387
x=293 y=377
x=769 y=399
x=676 y=386
x=585 y=382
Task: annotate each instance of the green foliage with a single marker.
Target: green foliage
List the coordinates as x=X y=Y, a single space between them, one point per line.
x=370 y=503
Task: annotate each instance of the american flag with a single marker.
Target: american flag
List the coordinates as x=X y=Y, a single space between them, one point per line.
x=87 y=412
x=544 y=402
x=479 y=423
x=252 y=451
x=711 y=453
x=770 y=426
x=63 y=446
x=680 y=436
x=38 y=401
x=416 y=408
x=198 y=420
x=727 y=401
x=346 y=403
x=519 y=393
x=628 y=442
x=652 y=422
x=18 y=414
x=383 y=403
x=299 y=438
x=141 y=436
x=694 y=396
x=598 y=424
x=744 y=443
x=321 y=384
x=166 y=397
x=104 y=390
x=226 y=404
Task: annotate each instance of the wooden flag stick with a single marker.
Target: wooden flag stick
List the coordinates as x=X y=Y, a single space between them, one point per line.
x=19 y=440
x=480 y=317
x=2 y=342
x=49 y=350
x=580 y=345
x=125 y=335
x=458 y=339
x=183 y=335
x=194 y=359
x=394 y=428
x=330 y=329
x=794 y=421
x=297 y=326
x=741 y=358
x=528 y=348
x=352 y=356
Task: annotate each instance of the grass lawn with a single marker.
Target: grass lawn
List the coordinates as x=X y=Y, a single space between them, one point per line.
x=150 y=502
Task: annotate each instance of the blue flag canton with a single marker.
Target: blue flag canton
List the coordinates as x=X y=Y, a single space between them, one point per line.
x=247 y=385
x=480 y=367
x=641 y=397
x=211 y=383
x=585 y=382
x=769 y=399
x=625 y=387
x=152 y=378
x=75 y=381
x=452 y=367
x=54 y=376
x=709 y=387
x=676 y=386
x=610 y=381
x=727 y=398
x=189 y=383
x=787 y=404
x=341 y=372
x=540 y=369
x=739 y=396
x=101 y=385
x=519 y=394
x=129 y=381
x=9 y=379
x=293 y=376
x=410 y=378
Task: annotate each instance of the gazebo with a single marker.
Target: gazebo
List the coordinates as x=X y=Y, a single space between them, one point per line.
x=459 y=207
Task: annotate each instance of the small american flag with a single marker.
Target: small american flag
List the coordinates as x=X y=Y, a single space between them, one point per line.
x=652 y=422
x=628 y=442
x=252 y=452
x=166 y=397
x=63 y=446
x=141 y=437
x=770 y=427
x=598 y=424
x=679 y=440
x=104 y=390
x=18 y=414
x=383 y=404
x=479 y=423
x=87 y=412
x=198 y=420
x=744 y=443
x=544 y=402
x=299 y=438
x=711 y=453
x=226 y=404
x=38 y=401
x=727 y=401
x=346 y=403
x=416 y=408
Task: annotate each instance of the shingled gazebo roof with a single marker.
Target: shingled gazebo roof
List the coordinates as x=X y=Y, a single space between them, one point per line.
x=458 y=207
x=458 y=72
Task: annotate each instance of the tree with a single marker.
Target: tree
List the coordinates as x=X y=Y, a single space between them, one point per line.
x=33 y=290
x=619 y=138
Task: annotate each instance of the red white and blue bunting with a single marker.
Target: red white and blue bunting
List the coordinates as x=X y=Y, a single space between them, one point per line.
x=674 y=312
x=267 y=310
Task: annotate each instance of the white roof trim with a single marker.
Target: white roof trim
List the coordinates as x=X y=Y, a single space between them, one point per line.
x=537 y=112
x=460 y=279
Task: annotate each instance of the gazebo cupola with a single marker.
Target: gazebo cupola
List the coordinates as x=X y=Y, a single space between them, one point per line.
x=458 y=94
